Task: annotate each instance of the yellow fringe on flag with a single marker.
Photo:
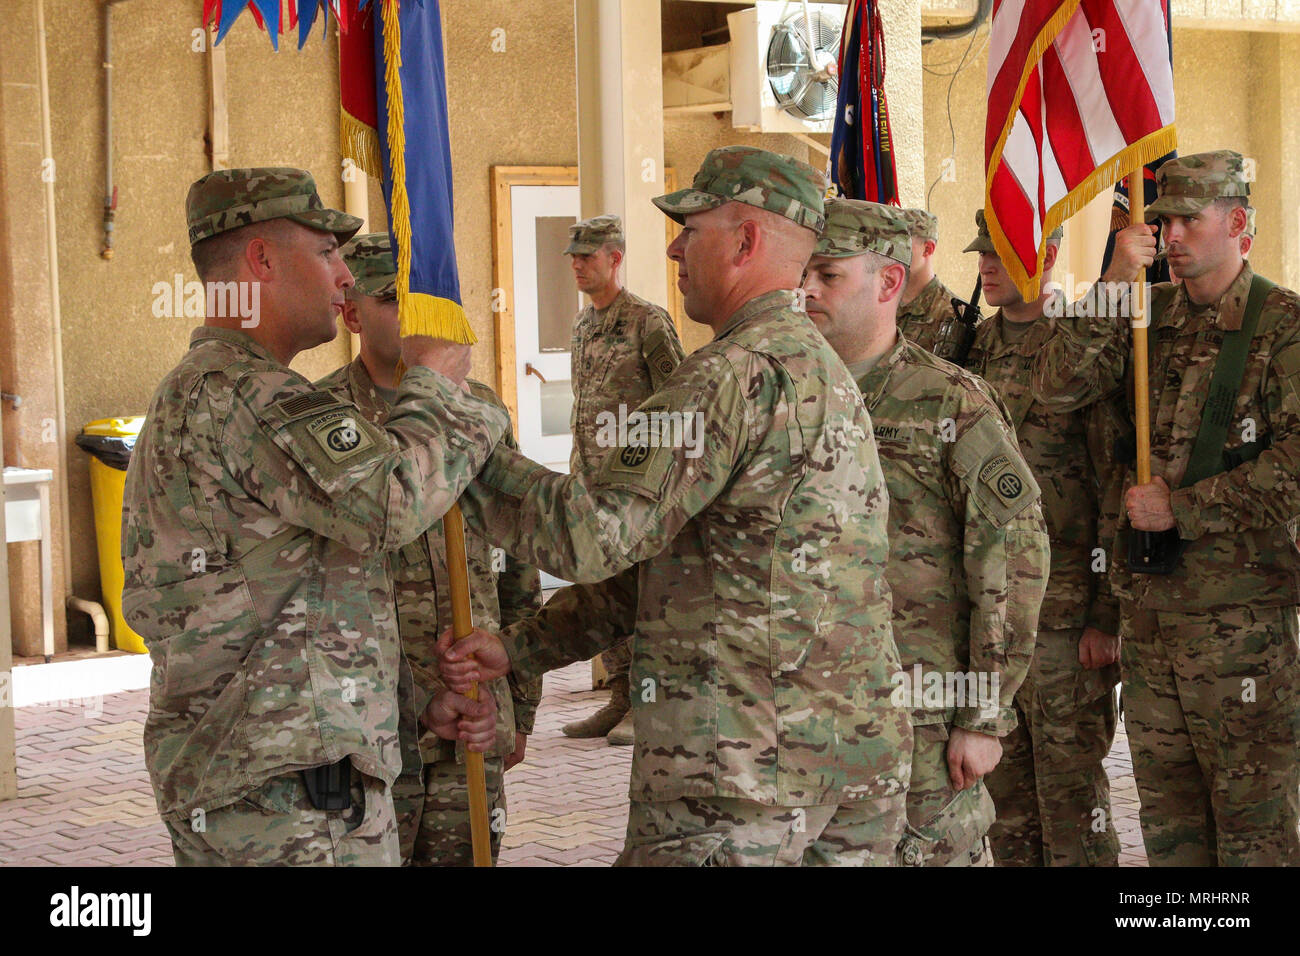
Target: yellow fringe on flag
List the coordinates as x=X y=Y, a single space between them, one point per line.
x=1147 y=149
x=360 y=143
x=1134 y=156
x=420 y=313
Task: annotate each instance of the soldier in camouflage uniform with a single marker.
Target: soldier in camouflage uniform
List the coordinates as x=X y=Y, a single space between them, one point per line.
x=624 y=348
x=968 y=547
x=928 y=315
x=762 y=653
x=1051 y=790
x=432 y=804
x=257 y=513
x=1211 y=671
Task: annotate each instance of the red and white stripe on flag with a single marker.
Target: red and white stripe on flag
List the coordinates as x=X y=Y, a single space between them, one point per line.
x=1080 y=92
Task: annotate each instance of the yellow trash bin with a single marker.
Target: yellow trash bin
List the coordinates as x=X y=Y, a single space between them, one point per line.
x=110 y=441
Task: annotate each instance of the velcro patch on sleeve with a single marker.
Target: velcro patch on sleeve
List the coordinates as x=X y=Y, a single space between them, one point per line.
x=993 y=470
x=646 y=451
x=338 y=434
x=1005 y=484
x=324 y=436
x=661 y=358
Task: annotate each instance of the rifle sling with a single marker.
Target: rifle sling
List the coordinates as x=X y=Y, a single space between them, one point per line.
x=1229 y=370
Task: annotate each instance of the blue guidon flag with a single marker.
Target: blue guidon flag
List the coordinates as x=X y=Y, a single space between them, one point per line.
x=393 y=93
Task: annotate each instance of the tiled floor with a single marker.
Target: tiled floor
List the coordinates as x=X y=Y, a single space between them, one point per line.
x=84 y=797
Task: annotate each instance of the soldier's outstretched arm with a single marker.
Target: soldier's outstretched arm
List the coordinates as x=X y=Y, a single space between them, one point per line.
x=1006 y=559
x=318 y=463
x=1265 y=492
x=1084 y=361
x=519 y=595
x=576 y=624
x=589 y=530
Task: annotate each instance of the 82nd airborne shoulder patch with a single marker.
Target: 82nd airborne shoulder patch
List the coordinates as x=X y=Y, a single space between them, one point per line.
x=1001 y=476
x=338 y=434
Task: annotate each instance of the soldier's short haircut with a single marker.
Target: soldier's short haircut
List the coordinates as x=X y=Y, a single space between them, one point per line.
x=619 y=244
x=216 y=258
x=875 y=262
x=1226 y=204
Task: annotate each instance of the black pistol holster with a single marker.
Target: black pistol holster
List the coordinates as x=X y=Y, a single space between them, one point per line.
x=330 y=787
x=1158 y=552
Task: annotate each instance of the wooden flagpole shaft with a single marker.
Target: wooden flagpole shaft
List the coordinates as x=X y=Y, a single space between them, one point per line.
x=1141 y=382
x=462 y=624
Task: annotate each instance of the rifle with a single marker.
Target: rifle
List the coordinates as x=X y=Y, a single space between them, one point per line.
x=967 y=315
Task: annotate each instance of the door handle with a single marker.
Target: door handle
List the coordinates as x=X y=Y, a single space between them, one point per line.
x=529 y=370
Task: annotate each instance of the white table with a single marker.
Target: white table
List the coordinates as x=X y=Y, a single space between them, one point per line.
x=27 y=518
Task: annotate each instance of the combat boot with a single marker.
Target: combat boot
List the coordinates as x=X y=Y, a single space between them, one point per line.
x=606 y=719
x=621 y=736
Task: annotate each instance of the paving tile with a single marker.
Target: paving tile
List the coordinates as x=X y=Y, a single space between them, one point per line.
x=84 y=793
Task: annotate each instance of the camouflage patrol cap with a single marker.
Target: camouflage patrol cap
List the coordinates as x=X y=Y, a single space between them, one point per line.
x=1187 y=184
x=228 y=199
x=922 y=225
x=370 y=260
x=854 y=226
x=590 y=234
x=780 y=184
x=983 y=242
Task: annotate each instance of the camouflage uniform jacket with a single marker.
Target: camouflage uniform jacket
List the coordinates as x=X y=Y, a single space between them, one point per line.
x=925 y=320
x=620 y=359
x=1056 y=448
x=968 y=555
x=1238 y=527
x=762 y=647
x=423 y=591
x=255 y=520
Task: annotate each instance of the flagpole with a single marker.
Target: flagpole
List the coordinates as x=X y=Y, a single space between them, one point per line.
x=1141 y=383
x=424 y=314
x=462 y=625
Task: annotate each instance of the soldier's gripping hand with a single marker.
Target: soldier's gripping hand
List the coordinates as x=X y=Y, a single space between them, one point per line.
x=1135 y=249
x=442 y=355
x=479 y=657
x=1097 y=649
x=1149 y=507
x=970 y=756
x=453 y=716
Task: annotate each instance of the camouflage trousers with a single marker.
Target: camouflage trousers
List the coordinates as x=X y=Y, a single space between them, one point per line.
x=1212 y=709
x=945 y=827
x=433 y=812
x=1050 y=788
x=726 y=831
x=617 y=660
x=276 y=824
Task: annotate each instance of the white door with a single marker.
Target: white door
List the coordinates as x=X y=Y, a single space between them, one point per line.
x=546 y=303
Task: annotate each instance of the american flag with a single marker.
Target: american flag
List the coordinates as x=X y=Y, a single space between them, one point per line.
x=1080 y=92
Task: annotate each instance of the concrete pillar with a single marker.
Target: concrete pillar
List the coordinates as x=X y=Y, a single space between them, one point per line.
x=8 y=758
x=903 y=87
x=1275 y=192
x=8 y=755
x=621 y=129
x=26 y=347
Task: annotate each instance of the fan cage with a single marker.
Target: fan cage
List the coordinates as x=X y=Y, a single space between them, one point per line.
x=790 y=66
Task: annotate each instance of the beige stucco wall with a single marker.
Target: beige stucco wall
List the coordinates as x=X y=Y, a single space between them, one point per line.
x=1227 y=85
x=515 y=107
